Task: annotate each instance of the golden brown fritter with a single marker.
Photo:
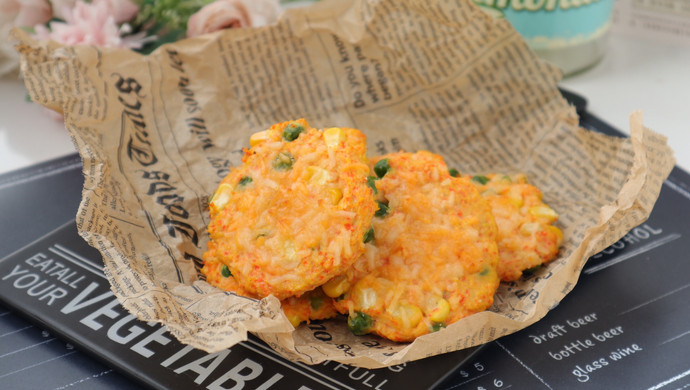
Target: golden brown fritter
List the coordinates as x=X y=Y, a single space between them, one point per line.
x=526 y=235
x=295 y=213
x=437 y=253
x=312 y=305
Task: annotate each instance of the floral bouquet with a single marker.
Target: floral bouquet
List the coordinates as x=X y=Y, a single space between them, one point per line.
x=140 y=25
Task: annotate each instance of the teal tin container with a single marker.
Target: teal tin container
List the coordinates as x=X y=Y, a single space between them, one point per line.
x=571 y=34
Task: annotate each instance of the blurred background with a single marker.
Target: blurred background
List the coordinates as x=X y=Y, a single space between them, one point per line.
x=640 y=61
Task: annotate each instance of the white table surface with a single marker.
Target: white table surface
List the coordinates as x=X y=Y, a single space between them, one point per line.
x=636 y=74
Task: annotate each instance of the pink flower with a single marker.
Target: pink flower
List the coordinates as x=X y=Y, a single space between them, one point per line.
x=93 y=24
x=121 y=10
x=222 y=14
x=24 y=13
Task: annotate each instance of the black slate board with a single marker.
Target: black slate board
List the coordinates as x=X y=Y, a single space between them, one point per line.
x=31 y=357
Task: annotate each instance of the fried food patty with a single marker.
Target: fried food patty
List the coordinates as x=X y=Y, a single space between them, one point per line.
x=312 y=305
x=437 y=253
x=296 y=212
x=219 y=275
x=526 y=235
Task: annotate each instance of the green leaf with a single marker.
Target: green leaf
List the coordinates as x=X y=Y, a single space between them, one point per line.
x=371 y=182
x=162 y=39
x=381 y=168
x=383 y=209
x=166 y=14
x=245 y=180
x=368 y=236
x=480 y=179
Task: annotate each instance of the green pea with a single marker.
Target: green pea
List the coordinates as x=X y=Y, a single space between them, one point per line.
x=371 y=182
x=244 y=181
x=383 y=209
x=360 y=323
x=292 y=131
x=225 y=271
x=316 y=302
x=436 y=326
x=381 y=168
x=454 y=172
x=283 y=161
x=485 y=271
x=480 y=179
x=368 y=236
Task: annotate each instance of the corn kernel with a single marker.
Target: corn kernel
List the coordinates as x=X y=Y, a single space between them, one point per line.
x=335 y=194
x=294 y=319
x=317 y=175
x=221 y=196
x=258 y=138
x=517 y=202
x=529 y=228
x=333 y=136
x=515 y=197
x=440 y=309
x=367 y=298
x=557 y=232
x=543 y=212
x=409 y=315
x=290 y=259
x=336 y=286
